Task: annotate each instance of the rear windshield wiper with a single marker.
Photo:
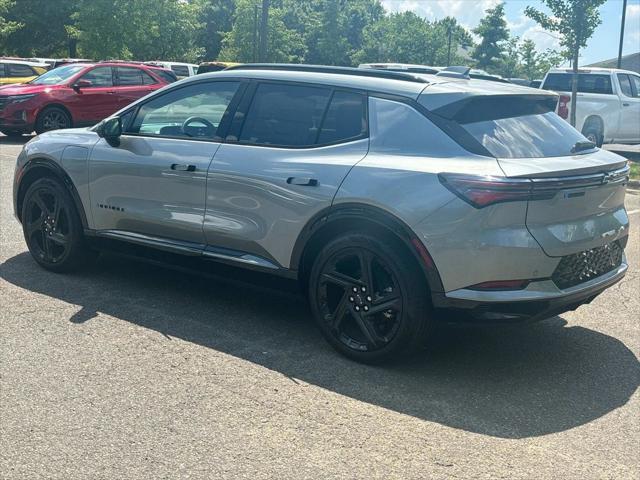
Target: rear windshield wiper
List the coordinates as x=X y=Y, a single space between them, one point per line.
x=582 y=145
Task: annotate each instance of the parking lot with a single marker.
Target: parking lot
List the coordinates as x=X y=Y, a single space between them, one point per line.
x=131 y=370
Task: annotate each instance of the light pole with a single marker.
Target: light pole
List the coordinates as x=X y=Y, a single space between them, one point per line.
x=624 y=12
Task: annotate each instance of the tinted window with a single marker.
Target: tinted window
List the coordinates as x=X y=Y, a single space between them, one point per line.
x=285 y=115
x=534 y=135
x=2 y=70
x=635 y=81
x=129 y=76
x=344 y=119
x=99 y=77
x=180 y=70
x=165 y=75
x=165 y=115
x=17 y=70
x=625 y=85
x=587 y=83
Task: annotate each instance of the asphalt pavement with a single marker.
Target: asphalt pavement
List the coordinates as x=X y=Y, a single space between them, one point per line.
x=130 y=370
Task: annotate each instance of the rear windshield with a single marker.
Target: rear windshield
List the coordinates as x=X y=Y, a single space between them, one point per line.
x=587 y=83
x=516 y=127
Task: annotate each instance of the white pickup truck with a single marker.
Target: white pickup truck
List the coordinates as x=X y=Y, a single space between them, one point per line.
x=608 y=102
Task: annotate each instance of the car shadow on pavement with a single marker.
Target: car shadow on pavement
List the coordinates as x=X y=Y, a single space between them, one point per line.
x=4 y=140
x=508 y=382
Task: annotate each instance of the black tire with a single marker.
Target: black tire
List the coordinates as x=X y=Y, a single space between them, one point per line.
x=52 y=227
x=594 y=133
x=12 y=133
x=370 y=321
x=52 y=118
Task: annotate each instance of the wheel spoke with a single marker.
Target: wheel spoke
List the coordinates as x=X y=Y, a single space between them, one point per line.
x=367 y=329
x=340 y=279
x=385 y=304
x=35 y=225
x=58 y=238
x=42 y=205
x=366 y=261
x=46 y=246
x=341 y=311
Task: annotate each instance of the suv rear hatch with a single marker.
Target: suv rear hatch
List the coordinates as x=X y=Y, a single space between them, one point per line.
x=576 y=191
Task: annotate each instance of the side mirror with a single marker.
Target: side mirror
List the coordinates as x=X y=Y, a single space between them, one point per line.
x=82 y=84
x=111 y=130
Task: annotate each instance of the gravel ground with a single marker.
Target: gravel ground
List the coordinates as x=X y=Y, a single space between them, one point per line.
x=130 y=370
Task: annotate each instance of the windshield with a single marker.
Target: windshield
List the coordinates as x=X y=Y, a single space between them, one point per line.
x=57 y=75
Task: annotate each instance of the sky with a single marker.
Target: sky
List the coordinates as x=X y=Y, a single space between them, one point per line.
x=602 y=46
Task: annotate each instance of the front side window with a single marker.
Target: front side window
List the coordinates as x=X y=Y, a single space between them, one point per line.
x=285 y=115
x=17 y=70
x=129 y=76
x=99 y=77
x=194 y=111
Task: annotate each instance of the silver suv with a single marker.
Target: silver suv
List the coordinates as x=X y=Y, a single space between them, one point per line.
x=394 y=198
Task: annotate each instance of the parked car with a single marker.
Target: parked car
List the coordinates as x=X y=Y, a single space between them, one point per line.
x=608 y=102
x=19 y=71
x=74 y=95
x=427 y=69
x=536 y=83
x=520 y=81
x=208 y=67
x=395 y=199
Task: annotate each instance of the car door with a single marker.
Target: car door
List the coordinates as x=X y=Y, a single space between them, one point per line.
x=630 y=108
x=131 y=84
x=153 y=183
x=289 y=149
x=92 y=96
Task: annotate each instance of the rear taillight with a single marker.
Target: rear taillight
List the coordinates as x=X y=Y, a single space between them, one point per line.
x=481 y=191
x=563 y=106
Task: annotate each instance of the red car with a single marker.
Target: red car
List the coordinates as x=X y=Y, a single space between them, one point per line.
x=76 y=95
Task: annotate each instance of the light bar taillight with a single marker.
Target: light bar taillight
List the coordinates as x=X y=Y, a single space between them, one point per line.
x=563 y=106
x=481 y=191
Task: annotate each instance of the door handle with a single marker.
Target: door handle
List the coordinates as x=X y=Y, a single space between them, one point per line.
x=311 y=182
x=183 y=168
x=625 y=104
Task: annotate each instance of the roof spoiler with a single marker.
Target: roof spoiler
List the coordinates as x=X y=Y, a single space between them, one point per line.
x=455 y=72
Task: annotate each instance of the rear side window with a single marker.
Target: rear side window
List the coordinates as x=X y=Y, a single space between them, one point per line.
x=285 y=115
x=587 y=83
x=129 y=76
x=518 y=127
x=345 y=118
x=180 y=70
x=625 y=85
x=165 y=75
x=99 y=77
x=635 y=83
x=17 y=70
x=2 y=74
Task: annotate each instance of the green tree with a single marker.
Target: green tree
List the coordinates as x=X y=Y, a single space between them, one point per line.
x=533 y=64
x=450 y=36
x=216 y=17
x=284 y=44
x=575 y=21
x=510 y=65
x=399 y=37
x=493 y=32
x=7 y=27
x=138 y=29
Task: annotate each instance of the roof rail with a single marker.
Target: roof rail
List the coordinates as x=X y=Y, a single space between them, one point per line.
x=455 y=72
x=357 y=72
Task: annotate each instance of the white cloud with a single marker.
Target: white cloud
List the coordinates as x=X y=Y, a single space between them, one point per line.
x=468 y=13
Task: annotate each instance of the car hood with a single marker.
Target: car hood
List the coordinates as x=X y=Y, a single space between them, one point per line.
x=26 y=88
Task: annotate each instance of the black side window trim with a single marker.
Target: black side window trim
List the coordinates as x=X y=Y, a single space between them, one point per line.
x=224 y=123
x=241 y=114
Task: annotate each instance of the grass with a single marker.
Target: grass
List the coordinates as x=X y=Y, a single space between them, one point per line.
x=635 y=170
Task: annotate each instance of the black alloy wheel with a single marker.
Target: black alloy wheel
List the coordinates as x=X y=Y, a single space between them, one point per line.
x=359 y=292
x=52 y=118
x=52 y=228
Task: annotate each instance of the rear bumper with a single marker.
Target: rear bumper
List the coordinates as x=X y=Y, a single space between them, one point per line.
x=538 y=301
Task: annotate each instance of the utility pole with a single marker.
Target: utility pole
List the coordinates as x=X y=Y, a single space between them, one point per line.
x=624 y=12
x=449 y=46
x=254 y=58
x=264 y=27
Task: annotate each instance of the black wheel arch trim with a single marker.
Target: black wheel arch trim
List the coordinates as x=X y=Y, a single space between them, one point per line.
x=370 y=214
x=56 y=170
